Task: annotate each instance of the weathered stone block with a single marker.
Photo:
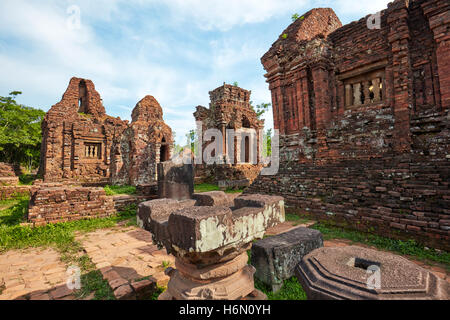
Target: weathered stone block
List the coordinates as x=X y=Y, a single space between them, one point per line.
x=210 y=244
x=153 y=216
x=276 y=257
x=144 y=288
x=125 y=292
x=175 y=181
x=212 y=198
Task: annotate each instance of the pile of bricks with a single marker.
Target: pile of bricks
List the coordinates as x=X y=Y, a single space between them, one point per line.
x=8 y=174
x=129 y=289
x=61 y=204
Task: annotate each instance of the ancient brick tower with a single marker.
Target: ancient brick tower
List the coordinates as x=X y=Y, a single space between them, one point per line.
x=81 y=143
x=363 y=115
x=230 y=109
x=147 y=141
x=77 y=136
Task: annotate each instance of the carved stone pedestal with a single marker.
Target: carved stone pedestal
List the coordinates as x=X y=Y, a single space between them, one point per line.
x=229 y=280
x=210 y=244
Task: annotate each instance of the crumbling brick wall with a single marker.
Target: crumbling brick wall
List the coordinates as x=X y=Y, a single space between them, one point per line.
x=229 y=109
x=363 y=116
x=146 y=142
x=8 y=174
x=77 y=136
x=52 y=204
x=82 y=143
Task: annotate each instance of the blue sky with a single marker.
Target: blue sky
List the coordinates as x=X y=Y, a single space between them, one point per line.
x=175 y=50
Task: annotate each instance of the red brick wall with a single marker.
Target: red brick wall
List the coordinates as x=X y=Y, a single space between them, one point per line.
x=229 y=109
x=61 y=204
x=8 y=192
x=67 y=127
x=385 y=163
x=138 y=150
x=400 y=195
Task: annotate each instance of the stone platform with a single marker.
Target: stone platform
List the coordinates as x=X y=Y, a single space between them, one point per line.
x=357 y=273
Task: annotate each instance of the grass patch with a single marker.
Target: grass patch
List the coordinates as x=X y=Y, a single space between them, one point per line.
x=157 y=293
x=291 y=290
x=93 y=282
x=296 y=219
x=115 y=190
x=207 y=187
x=12 y=211
x=409 y=247
x=14 y=236
x=91 y=279
x=27 y=179
x=61 y=236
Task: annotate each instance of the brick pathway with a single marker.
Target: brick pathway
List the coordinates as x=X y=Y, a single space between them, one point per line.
x=32 y=273
x=124 y=255
x=287 y=226
x=127 y=254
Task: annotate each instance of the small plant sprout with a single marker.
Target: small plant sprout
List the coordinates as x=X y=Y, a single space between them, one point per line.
x=295 y=16
x=165 y=264
x=284 y=36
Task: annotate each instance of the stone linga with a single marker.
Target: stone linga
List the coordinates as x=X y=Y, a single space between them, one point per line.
x=210 y=242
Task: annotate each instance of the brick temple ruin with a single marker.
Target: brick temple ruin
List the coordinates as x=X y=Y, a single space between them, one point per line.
x=363 y=116
x=146 y=142
x=230 y=108
x=84 y=148
x=81 y=143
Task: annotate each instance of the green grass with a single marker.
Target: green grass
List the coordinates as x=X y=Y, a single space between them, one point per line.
x=14 y=236
x=93 y=281
x=296 y=219
x=291 y=290
x=12 y=211
x=115 y=190
x=27 y=179
x=156 y=294
x=61 y=236
x=207 y=187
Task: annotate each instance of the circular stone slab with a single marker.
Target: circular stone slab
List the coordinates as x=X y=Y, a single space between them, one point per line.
x=358 y=273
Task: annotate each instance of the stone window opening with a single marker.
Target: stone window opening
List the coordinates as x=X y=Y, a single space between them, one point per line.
x=364 y=92
x=92 y=150
x=364 y=86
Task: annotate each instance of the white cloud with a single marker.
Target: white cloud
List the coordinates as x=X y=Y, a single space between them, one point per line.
x=223 y=15
x=127 y=56
x=359 y=8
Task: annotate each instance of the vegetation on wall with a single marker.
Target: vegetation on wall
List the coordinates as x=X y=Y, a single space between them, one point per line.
x=20 y=132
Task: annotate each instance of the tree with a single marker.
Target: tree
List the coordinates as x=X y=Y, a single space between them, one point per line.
x=20 y=132
x=267 y=147
x=191 y=139
x=260 y=109
x=177 y=148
